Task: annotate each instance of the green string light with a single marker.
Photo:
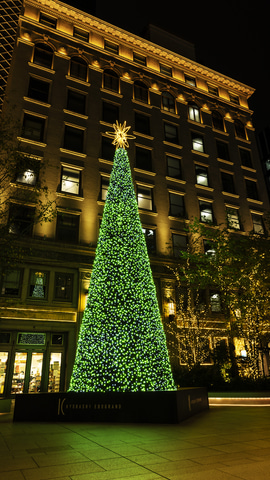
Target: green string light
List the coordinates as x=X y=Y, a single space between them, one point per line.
x=122 y=345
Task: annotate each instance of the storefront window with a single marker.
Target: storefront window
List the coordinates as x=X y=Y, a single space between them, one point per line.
x=35 y=372
x=3 y=368
x=55 y=370
x=18 y=378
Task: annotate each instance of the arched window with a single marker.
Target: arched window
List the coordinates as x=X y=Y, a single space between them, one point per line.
x=43 y=55
x=217 y=121
x=239 y=129
x=168 y=102
x=194 y=112
x=111 y=80
x=78 y=68
x=140 y=91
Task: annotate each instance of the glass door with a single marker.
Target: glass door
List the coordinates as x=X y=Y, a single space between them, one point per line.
x=3 y=370
x=27 y=372
x=55 y=372
x=35 y=372
x=19 y=370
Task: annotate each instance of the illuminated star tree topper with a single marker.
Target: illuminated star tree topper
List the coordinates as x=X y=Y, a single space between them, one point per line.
x=121 y=345
x=120 y=135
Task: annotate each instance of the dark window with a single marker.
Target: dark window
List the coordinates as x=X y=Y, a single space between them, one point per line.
x=194 y=113
x=150 y=238
x=48 y=21
x=76 y=102
x=179 y=244
x=78 y=68
x=168 y=102
x=227 y=182
x=223 y=150
x=144 y=197
x=107 y=149
x=174 y=167
x=57 y=339
x=38 y=89
x=171 y=133
x=80 y=34
x=234 y=98
x=110 y=112
x=38 y=284
x=190 y=81
x=43 y=55
x=67 y=228
x=258 y=226
x=70 y=180
x=73 y=139
x=217 y=121
x=197 y=142
x=239 y=129
x=4 y=337
x=10 y=283
x=111 y=47
x=252 y=191
x=143 y=159
x=139 y=59
x=33 y=128
x=140 y=91
x=212 y=89
x=165 y=70
x=245 y=156
x=202 y=175
x=177 y=205
x=142 y=123
x=111 y=80
x=21 y=219
x=206 y=212
x=63 y=286
x=104 y=187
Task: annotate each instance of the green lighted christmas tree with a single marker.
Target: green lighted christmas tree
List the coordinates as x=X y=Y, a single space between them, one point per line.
x=122 y=345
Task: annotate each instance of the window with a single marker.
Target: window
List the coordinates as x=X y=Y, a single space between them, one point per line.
x=76 y=101
x=70 y=180
x=215 y=302
x=63 y=286
x=110 y=112
x=21 y=219
x=245 y=156
x=140 y=91
x=80 y=34
x=43 y=55
x=212 y=89
x=143 y=159
x=190 y=81
x=139 y=59
x=177 y=205
x=194 y=113
x=33 y=128
x=233 y=219
x=251 y=187
x=78 y=68
x=11 y=282
x=38 y=284
x=240 y=131
x=73 y=139
x=104 y=187
x=174 y=167
x=202 y=175
x=111 y=80
x=48 y=21
x=166 y=70
x=27 y=172
x=222 y=150
x=197 y=143
x=206 y=212
x=38 y=89
x=107 y=149
x=150 y=238
x=144 y=197
x=142 y=123
x=217 y=121
x=209 y=248
x=67 y=227
x=258 y=226
x=227 y=182
x=111 y=47
x=168 y=102
x=179 y=244
x=234 y=98
x=171 y=133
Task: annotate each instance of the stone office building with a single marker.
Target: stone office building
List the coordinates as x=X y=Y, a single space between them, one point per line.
x=67 y=77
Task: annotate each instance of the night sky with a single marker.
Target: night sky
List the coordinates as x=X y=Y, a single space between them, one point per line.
x=232 y=37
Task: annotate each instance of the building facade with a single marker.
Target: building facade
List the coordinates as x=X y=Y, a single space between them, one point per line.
x=67 y=77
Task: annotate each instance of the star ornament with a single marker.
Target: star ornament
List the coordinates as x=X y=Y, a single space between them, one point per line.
x=120 y=136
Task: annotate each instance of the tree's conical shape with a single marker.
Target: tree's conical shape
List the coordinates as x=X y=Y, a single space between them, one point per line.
x=122 y=345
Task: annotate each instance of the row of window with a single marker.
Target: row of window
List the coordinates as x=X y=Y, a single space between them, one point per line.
x=139 y=59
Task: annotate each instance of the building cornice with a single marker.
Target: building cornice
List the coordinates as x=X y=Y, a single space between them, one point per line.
x=134 y=41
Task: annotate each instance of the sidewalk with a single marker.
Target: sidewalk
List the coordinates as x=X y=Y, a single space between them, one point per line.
x=224 y=443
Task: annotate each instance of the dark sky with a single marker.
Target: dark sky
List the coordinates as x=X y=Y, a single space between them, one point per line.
x=231 y=37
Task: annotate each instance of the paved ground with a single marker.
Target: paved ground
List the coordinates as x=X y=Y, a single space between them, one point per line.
x=224 y=443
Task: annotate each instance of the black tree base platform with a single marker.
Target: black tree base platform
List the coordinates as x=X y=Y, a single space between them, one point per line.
x=137 y=407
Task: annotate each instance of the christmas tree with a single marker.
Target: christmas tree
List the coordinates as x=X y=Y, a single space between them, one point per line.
x=121 y=345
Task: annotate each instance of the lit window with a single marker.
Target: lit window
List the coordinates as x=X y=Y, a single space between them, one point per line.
x=197 y=143
x=171 y=133
x=78 y=68
x=73 y=139
x=27 y=171
x=194 y=113
x=38 y=284
x=67 y=227
x=140 y=91
x=33 y=128
x=227 y=182
x=179 y=244
x=168 y=102
x=206 y=212
x=63 y=286
x=174 y=167
x=111 y=80
x=258 y=226
x=233 y=218
x=70 y=180
x=215 y=302
x=43 y=55
x=38 y=89
x=144 y=197
x=201 y=175
x=143 y=159
x=76 y=101
x=177 y=205
x=209 y=248
x=190 y=81
x=10 y=283
x=104 y=187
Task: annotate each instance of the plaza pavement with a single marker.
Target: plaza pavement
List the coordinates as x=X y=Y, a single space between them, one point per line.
x=222 y=443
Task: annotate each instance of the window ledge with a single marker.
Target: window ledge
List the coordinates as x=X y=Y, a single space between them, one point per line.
x=33 y=142
x=172 y=114
x=199 y=124
x=206 y=155
x=242 y=139
x=77 y=80
x=40 y=67
x=178 y=219
x=111 y=92
x=78 y=154
x=37 y=102
x=250 y=169
x=146 y=172
x=204 y=187
x=144 y=104
x=148 y=212
x=220 y=131
x=144 y=135
x=80 y=115
x=69 y=195
x=25 y=186
x=228 y=162
x=176 y=145
x=103 y=160
x=259 y=202
x=177 y=180
x=229 y=194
